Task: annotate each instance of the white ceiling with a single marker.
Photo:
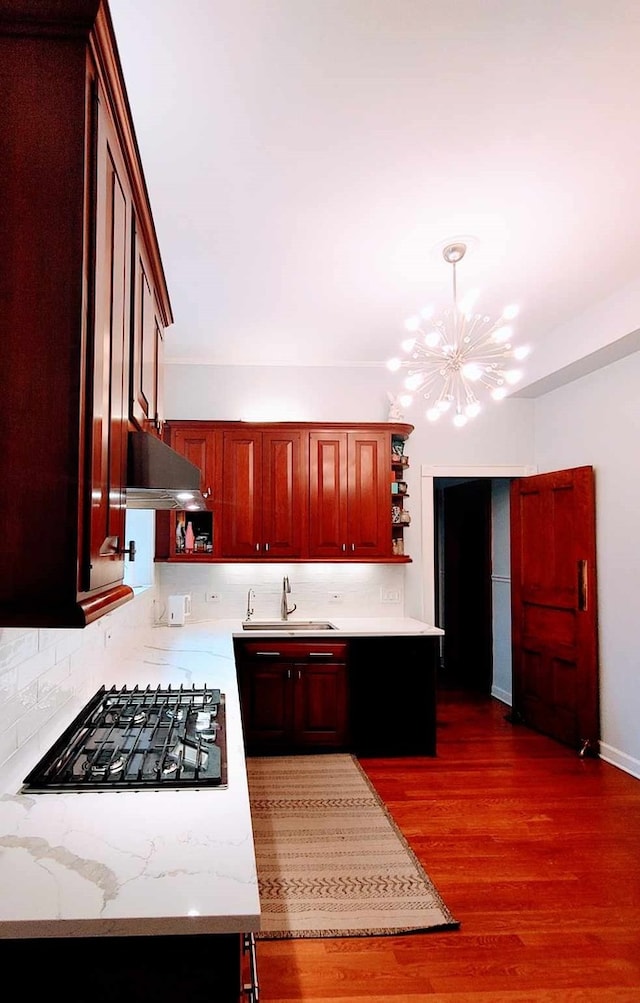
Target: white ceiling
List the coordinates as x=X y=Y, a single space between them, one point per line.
x=307 y=159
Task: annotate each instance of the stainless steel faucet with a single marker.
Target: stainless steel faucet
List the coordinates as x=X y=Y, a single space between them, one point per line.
x=250 y=595
x=284 y=605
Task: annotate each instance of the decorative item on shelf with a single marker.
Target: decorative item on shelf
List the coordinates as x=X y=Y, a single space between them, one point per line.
x=189 y=539
x=395 y=413
x=180 y=533
x=405 y=517
x=396 y=512
x=397 y=546
x=458 y=352
x=397 y=446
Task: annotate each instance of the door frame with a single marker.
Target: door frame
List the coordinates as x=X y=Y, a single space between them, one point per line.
x=428 y=474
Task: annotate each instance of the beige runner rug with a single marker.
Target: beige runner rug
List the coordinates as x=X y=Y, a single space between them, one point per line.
x=331 y=861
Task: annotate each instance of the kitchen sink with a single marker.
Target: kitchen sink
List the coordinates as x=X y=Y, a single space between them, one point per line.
x=288 y=625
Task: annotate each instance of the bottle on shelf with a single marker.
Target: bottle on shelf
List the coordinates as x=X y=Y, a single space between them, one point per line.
x=189 y=539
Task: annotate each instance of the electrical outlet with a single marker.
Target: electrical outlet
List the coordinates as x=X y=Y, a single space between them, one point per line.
x=390 y=595
x=213 y=597
x=336 y=596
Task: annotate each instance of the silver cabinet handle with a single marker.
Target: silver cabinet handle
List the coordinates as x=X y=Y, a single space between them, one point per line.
x=266 y=546
x=267 y=654
x=321 y=654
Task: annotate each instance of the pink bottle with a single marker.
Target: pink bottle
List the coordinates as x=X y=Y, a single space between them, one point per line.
x=189 y=539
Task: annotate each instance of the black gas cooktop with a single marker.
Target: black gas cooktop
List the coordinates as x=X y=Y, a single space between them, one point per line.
x=133 y=739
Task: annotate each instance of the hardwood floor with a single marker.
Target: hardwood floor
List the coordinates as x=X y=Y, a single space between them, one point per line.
x=535 y=851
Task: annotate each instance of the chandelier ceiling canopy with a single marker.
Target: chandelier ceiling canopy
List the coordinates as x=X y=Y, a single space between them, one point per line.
x=458 y=357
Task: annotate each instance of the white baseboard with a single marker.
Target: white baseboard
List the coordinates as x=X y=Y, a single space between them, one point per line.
x=620 y=759
x=503 y=695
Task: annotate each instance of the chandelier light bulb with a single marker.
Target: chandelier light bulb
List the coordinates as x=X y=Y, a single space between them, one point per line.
x=472 y=371
x=501 y=334
x=405 y=400
x=456 y=357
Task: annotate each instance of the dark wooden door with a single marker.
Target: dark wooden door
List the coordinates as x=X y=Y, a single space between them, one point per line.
x=243 y=487
x=266 y=690
x=465 y=519
x=110 y=360
x=369 y=481
x=284 y=492
x=320 y=705
x=554 y=606
x=327 y=494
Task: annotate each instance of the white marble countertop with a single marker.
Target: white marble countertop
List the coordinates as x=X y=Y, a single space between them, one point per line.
x=145 y=862
x=345 y=626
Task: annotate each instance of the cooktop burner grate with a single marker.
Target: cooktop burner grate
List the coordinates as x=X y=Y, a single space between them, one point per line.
x=132 y=739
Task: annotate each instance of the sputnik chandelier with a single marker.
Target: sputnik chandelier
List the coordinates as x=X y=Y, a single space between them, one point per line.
x=458 y=355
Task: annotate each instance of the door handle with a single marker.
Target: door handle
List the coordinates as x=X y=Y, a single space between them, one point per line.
x=583 y=586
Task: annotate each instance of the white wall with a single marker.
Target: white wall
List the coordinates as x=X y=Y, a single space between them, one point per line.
x=596 y=421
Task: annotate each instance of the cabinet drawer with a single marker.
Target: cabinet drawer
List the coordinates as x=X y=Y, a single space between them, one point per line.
x=294 y=650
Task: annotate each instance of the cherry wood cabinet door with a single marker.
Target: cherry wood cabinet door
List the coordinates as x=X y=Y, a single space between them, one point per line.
x=203 y=447
x=320 y=705
x=328 y=494
x=349 y=494
x=110 y=360
x=284 y=492
x=369 y=483
x=266 y=696
x=145 y=392
x=242 y=479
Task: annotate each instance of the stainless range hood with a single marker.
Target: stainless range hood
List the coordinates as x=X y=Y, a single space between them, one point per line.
x=160 y=478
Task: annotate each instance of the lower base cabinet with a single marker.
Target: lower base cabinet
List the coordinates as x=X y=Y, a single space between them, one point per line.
x=373 y=696
x=294 y=695
x=200 y=968
x=392 y=695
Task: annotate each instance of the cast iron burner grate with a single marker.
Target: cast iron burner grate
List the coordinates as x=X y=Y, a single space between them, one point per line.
x=132 y=739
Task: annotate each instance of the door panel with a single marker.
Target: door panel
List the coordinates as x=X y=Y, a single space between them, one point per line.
x=284 y=493
x=327 y=494
x=242 y=518
x=555 y=644
x=368 y=531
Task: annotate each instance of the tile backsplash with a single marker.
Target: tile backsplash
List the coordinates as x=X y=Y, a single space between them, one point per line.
x=318 y=590
x=41 y=670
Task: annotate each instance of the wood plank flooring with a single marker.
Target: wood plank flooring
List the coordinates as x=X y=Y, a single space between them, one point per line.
x=535 y=851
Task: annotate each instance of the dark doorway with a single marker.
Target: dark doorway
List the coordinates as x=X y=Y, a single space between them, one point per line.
x=463 y=575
